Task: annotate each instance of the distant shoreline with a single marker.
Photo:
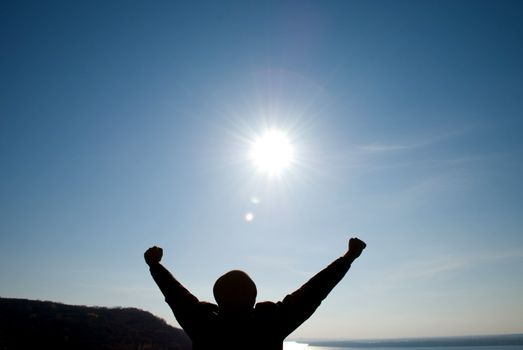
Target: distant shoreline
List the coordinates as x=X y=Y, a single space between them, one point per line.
x=481 y=340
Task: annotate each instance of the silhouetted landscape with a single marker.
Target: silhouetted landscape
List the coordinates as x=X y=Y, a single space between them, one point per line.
x=30 y=324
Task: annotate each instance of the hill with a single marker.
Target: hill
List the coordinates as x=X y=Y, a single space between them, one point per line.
x=30 y=324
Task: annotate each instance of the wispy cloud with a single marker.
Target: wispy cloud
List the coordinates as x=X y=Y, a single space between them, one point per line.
x=452 y=263
x=380 y=147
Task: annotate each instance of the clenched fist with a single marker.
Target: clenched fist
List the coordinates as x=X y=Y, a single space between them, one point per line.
x=153 y=255
x=356 y=246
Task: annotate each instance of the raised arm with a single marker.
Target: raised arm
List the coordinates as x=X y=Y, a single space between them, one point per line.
x=183 y=304
x=301 y=304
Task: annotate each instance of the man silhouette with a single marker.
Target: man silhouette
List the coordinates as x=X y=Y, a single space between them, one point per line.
x=238 y=322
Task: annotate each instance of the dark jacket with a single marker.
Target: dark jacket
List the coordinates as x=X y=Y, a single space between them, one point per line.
x=264 y=327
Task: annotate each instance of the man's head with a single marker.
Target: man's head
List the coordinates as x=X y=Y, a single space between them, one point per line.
x=235 y=291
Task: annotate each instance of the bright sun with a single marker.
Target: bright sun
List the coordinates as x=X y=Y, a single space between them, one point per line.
x=272 y=152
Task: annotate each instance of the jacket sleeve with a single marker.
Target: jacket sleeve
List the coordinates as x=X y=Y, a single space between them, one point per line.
x=298 y=306
x=184 y=305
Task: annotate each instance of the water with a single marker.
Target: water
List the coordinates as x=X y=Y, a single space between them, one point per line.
x=486 y=347
x=301 y=346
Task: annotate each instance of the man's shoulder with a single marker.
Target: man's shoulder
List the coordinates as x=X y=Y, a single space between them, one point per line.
x=268 y=315
x=207 y=306
x=205 y=310
x=265 y=307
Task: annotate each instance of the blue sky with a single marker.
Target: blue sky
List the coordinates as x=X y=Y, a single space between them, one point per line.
x=128 y=124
